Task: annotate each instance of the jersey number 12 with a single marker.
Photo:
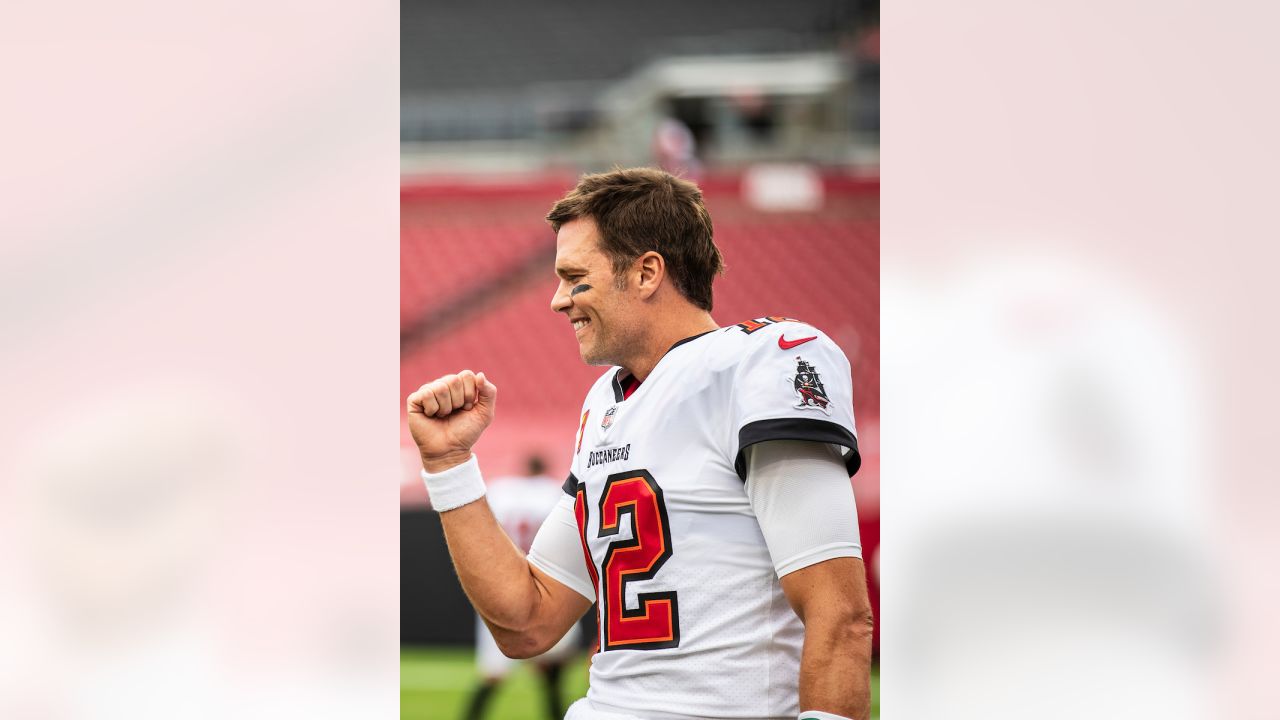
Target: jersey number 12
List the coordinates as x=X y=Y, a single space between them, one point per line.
x=655 y=621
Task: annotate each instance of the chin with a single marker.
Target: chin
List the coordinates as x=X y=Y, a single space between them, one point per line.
x=592 y=357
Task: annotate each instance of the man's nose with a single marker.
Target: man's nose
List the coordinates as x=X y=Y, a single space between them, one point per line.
x=560 y=301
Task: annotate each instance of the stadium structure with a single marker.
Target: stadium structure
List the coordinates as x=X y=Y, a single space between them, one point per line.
x=771 y=107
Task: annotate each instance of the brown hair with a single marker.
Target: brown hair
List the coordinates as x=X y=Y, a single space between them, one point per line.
x=643 y=209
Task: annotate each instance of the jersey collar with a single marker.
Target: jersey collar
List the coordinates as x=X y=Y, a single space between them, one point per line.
x=619 y=394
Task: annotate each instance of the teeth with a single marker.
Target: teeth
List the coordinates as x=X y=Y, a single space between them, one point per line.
x=579 y=324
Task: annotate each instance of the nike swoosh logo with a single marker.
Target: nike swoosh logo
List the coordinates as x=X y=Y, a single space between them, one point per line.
x=786 y=344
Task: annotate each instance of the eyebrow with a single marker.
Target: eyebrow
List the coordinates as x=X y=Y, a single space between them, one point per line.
x=565 y=271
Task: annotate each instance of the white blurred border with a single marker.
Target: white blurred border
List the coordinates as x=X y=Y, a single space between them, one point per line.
x=198 y=262
x=1077 y=360
x=199 y=246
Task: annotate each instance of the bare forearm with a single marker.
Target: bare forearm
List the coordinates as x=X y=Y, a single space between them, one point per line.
x=446 y=418
x=835 y=667
x=494 y=574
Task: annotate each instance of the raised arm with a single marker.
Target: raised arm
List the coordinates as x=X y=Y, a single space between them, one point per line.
x=527 y=610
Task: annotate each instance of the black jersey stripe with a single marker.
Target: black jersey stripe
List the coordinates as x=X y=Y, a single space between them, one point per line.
x=570 y=485
x=796 y=429
x=691 y=338
x=618 y=395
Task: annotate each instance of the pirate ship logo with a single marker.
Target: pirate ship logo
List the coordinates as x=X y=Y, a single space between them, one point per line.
x=808 y=387
x=608 y=417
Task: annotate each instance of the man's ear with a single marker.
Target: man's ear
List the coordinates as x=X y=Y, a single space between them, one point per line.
x=652 y=269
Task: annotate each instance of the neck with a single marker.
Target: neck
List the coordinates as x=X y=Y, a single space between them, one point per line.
x=663 y=337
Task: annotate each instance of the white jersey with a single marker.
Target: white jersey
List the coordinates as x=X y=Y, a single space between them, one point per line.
x=693 y=621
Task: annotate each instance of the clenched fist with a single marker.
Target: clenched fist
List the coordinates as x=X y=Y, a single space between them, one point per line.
x=447 y=416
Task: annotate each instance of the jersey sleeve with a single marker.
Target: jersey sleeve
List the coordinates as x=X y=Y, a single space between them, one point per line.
x=804 y=502
x=793 y=383
x=557 y=550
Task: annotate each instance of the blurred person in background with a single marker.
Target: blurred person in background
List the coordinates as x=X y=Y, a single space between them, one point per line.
x=520 y=504
x=676 y=149
x=708 y=510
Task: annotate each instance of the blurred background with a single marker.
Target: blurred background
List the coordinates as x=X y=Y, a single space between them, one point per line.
x=772 y=108
x=182 y=534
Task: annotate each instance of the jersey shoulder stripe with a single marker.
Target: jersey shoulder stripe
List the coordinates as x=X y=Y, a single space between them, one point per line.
x=811 y=429
x=781 y=333
x=749 y=327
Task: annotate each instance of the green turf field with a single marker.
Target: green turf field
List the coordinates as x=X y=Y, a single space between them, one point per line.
x=435 y=684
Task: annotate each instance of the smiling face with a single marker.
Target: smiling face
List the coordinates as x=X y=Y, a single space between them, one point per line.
x=599 y=315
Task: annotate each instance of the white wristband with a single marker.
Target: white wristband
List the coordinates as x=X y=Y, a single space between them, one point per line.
x=819 y=715
x=455 y=487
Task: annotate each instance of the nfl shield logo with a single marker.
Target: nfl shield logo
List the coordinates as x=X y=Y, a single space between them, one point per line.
x=608 y=417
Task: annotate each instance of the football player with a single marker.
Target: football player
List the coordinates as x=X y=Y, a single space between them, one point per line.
x=708 y=510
